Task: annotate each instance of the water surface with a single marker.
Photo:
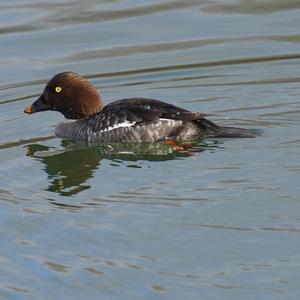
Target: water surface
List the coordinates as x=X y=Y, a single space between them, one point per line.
x=218 y=221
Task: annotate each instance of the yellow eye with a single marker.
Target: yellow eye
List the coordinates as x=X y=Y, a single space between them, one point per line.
x=58 y=89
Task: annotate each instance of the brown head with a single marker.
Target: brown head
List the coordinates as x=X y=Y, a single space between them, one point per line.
x=69 y=93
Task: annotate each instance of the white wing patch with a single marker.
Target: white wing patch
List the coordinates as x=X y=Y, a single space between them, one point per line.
x=162 y=119
x=170 y=122
x=129 y=124
x=119 y=125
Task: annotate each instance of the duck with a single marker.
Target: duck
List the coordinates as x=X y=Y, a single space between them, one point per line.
x=135 y=120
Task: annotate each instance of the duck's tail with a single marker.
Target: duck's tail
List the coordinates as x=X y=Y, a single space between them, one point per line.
x=211 y=129
x=234 y=132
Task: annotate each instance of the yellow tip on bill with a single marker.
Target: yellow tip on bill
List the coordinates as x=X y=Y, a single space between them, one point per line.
x=28 y=110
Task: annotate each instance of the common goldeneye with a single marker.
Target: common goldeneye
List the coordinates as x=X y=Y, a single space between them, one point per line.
x=126 y=120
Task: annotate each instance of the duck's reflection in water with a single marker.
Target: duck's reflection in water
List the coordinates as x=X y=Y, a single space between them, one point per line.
x=71 y=166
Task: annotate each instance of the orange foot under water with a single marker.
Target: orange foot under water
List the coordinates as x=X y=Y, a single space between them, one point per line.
x=187 y=148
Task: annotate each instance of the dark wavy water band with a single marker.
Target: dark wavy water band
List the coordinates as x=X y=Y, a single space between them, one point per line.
x=249 y=60
x=24 y=142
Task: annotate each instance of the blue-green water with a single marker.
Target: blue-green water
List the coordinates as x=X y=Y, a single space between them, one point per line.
x=150 y=222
